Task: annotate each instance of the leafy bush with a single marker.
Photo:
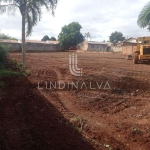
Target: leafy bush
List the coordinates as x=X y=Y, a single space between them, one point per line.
x=3 y=56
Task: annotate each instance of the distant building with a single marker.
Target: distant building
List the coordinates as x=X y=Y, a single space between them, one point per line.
x=92 y=46
x=12 y=45
x=32 y=45
x=117 y=47
x=129 y=46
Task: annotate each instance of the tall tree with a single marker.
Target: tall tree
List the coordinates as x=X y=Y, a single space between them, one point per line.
x=70 y=35
x=115 y=37
x=45 y=38
x=31 y=12
x=53 y=38
x=144 y=17
x=88 y=36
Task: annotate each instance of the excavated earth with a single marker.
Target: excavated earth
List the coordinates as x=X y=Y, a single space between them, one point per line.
x=105 y=108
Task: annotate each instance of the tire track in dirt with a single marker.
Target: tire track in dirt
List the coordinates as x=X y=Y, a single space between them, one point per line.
x=69 y=110
x=65 y=102
x=97 y=123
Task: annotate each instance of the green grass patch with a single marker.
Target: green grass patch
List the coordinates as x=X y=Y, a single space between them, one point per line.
x=20 y=65
x=9 y=73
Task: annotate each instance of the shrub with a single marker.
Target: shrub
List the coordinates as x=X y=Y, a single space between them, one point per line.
x=3 y=56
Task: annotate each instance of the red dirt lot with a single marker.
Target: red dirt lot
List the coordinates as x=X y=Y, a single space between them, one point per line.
x=114 y=118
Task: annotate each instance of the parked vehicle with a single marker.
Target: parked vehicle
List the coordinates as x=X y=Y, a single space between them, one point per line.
x=143 y=50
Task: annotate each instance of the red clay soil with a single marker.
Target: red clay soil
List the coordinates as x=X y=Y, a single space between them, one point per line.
x=29 y=122
x=114 y=119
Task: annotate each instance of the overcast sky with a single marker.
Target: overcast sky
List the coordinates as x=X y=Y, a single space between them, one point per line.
x=99 y=17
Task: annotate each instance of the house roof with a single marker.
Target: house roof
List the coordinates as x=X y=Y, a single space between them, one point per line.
x=28 y=41
x=35 y=41
x=53 y=42
x=131 y=40
x=41 y=42
x=94 y=42
x=8 y=41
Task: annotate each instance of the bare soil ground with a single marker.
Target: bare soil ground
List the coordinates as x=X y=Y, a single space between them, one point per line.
x=117 y=118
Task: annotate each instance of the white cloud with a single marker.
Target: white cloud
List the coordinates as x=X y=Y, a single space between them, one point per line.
x=100 y=18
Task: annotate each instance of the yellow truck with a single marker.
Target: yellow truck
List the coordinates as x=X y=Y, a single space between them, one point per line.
x=142 y=53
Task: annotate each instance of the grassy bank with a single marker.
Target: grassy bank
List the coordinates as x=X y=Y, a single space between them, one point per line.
x=6 y=67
